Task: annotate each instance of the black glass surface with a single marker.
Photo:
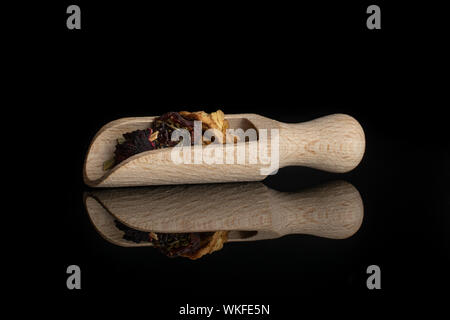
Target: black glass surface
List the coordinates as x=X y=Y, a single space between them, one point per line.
x=289 y=63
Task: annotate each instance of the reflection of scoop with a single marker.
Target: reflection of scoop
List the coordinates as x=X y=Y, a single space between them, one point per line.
x=249 y=211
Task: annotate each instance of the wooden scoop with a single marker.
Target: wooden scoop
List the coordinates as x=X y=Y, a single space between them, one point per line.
x=333 y=143
x=250 y=211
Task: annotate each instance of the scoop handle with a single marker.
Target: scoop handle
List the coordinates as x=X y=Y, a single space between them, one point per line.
x=334 y=210
x=333 y=143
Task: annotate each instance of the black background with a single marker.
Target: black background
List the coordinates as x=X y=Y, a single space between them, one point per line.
x=289 y=62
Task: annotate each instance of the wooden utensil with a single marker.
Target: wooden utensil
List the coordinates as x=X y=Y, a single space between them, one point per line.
x=250 y=211
x=332 y=143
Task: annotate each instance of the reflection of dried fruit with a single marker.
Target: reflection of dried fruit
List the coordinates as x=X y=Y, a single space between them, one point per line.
x=192 y=245
x=213 y=243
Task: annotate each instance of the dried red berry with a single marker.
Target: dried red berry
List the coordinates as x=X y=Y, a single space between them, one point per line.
x=135 y=142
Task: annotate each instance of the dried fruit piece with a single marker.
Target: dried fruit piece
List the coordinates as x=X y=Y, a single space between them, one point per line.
x=135 y=142
x=153 y=236
x=108 y=164
x=218 y=117
x=154 y=136
x=207 y=122
x=214 y=121
x=160 y=132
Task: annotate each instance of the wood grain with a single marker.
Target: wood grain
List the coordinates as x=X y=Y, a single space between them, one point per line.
x=333 y=143
x=250 y=211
